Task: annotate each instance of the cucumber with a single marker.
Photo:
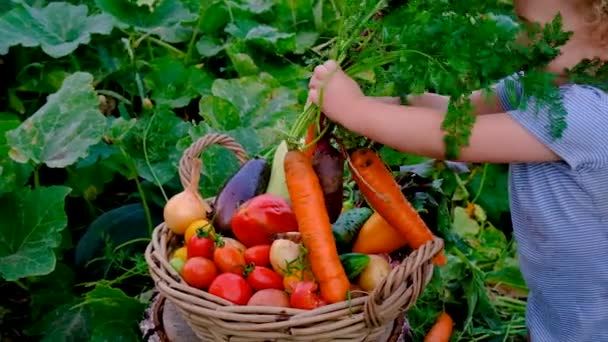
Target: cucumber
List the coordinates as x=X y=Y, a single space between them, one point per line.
x=354 y=264
x=347 y=226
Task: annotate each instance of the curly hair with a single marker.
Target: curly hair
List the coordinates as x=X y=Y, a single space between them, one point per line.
x=598 y=19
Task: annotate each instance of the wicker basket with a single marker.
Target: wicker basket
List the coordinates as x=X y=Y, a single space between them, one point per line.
x=366 y=318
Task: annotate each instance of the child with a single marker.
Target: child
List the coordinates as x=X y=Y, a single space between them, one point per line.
x=558 y=187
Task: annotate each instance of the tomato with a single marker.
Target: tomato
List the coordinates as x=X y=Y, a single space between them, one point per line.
x=196 y=225
x=261 y=278
x=295 y=276
x=229 y=258
x=201 y=245
x=232 y=287
x=305 y=296
x=199 y=272
x=234 y=243
x=270 y=297
x=258 y=218
x=181 y=253
x=258 y=255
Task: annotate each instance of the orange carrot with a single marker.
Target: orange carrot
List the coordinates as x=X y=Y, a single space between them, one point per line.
x=380 y=189
x=441 y=330
x=310 y=136
x=377 y=237
x=315 y=228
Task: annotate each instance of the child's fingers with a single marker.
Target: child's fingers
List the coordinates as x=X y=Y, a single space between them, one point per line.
x=313 y=96
x=331 y=65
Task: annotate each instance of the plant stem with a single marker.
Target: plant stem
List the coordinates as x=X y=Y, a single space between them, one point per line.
x=166 y=46
x=37 y=176
x=483 y=180
x=144 y=203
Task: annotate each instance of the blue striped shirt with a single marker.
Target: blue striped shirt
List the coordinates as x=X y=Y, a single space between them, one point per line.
x=560 y=217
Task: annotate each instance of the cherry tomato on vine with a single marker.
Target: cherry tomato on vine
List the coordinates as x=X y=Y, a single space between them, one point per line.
x=201 y=245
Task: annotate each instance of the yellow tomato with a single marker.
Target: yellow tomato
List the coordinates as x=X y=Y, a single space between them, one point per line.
x=181 y=253
x=194 y=226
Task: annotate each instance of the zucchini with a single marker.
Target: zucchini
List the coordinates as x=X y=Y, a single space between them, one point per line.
x=347 y=226
x=277 y=184
x=354 y=264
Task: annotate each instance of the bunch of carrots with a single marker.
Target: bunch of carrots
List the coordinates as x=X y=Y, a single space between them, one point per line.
x=309 y=201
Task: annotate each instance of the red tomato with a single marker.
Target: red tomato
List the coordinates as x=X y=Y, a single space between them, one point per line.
x=261 y=278
x=258 y=255
x=199 y=272
x=200 y=245
x=229 y=259
x=257 y=219
x=231 y=287
x=305 y=296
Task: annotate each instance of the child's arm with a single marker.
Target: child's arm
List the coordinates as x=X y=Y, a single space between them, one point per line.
x=494 y=138
x=482 y=103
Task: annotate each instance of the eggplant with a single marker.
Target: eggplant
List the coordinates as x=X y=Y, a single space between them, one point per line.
x=328 y=164
x=249 y=181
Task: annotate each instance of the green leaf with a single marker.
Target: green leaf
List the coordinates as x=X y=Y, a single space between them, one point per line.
x=12 y=175
x=463 y=224
x=252 y=6
x=265 y=36
x=166 y=13
x=262 y=102
x=158 y=155
x=174 y=84
x=59 y=28
x=209 y=46
x=32 y=221
x=103 y=314
x=62 y=130
x=243 y=63
x=219 y=113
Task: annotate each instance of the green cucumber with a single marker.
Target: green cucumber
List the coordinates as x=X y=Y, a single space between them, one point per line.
x=347 y=226
x=354 y=264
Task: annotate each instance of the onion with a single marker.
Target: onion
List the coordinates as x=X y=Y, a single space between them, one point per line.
x=188 y=206
x=282 y=253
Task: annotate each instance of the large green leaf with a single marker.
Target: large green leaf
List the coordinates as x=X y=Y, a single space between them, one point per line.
x=103 y=314
x=174 y=84
x=164 y=13
x=265 y=36
x=32 y=221
x=152 y=144
x=62 y=130
x=262 y=102
x=59 y=28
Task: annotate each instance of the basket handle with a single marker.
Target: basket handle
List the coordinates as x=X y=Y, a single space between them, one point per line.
x=401 y=288
x=194 y=151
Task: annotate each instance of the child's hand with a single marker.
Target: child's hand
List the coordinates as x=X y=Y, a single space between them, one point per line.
x=340 y=92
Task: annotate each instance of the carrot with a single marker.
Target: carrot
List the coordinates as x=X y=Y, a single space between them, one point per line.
x=313 y=222
x=310 y=136
x=441 y=330
x=380 y=189
x=377 y=237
